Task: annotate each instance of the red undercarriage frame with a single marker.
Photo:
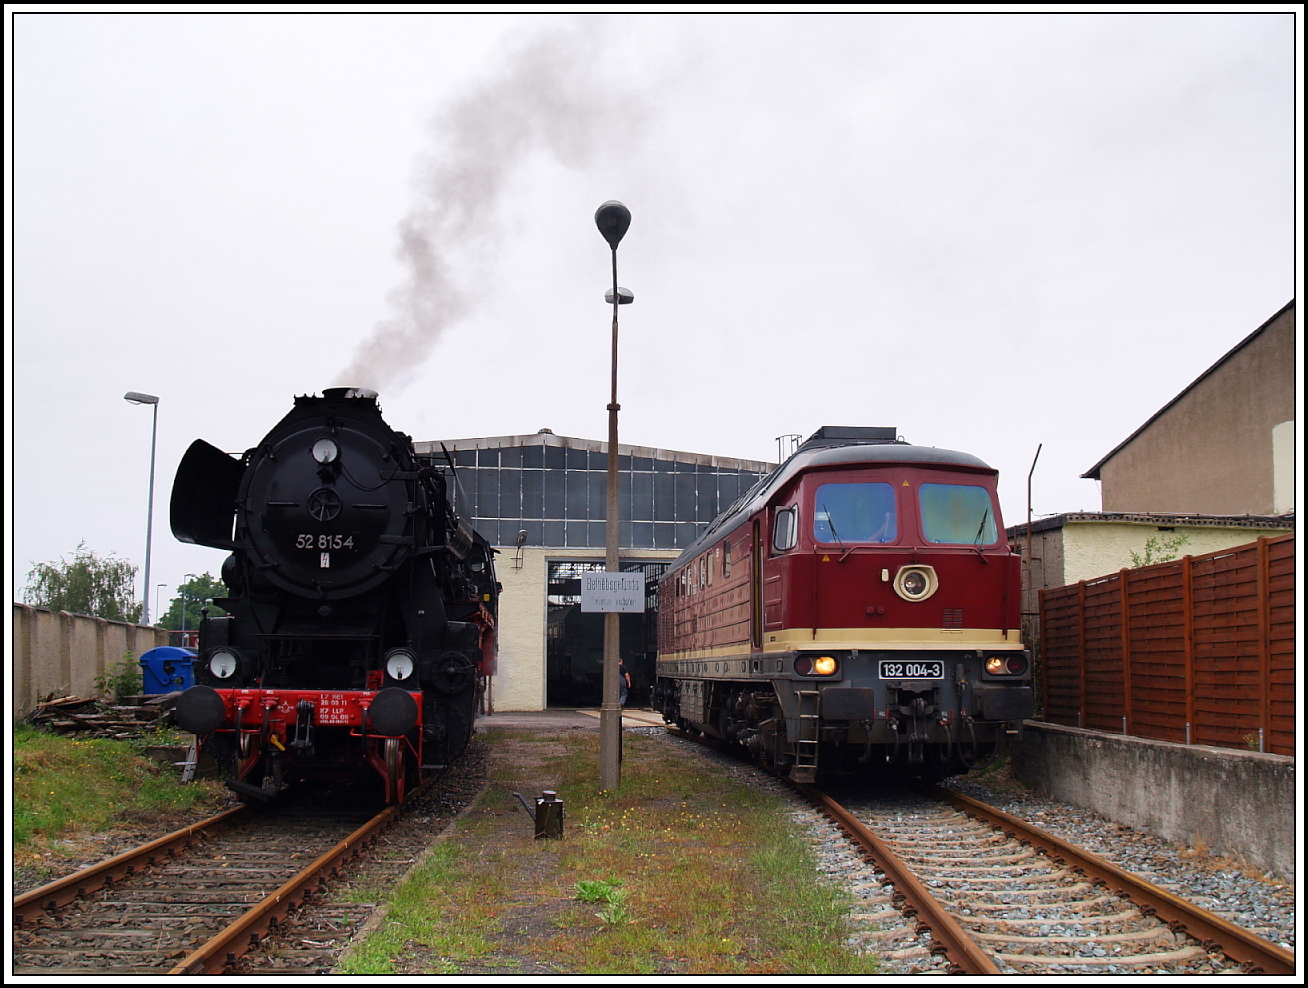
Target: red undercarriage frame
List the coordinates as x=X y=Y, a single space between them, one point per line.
x=272 y=722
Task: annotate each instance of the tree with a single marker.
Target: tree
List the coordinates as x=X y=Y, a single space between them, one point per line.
x=102 y=587
x=1160 y=549
x=193 y=594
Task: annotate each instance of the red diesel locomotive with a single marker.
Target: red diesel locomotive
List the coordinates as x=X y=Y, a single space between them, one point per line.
x=859 y=610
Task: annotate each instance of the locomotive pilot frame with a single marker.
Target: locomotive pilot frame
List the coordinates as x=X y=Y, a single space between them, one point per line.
x=362 y=618
x=858 y=611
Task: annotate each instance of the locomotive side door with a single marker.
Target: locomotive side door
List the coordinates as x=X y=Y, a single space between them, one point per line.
x=756 y=587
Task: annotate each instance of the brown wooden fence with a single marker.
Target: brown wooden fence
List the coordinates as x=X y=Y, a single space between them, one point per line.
x=1197 y=651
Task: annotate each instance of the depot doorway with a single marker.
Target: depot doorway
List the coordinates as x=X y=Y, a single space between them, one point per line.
x=574 y=640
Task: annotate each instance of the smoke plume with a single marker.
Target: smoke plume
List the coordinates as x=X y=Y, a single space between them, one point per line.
x=544 y=97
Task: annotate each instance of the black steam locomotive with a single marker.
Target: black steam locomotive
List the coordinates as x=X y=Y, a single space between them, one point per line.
x=362 y=617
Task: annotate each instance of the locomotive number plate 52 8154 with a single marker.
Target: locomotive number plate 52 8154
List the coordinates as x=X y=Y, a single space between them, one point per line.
x=919 y=669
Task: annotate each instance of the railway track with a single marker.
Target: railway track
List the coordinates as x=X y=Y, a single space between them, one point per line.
x=992 y=894
x=1003 y=897
x=193 y=902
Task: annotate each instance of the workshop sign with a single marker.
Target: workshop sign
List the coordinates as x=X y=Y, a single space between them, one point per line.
x=623 y=593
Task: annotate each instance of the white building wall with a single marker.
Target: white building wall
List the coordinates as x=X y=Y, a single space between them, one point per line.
x=1094 y=549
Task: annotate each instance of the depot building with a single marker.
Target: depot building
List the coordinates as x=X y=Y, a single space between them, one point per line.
x=541 y=501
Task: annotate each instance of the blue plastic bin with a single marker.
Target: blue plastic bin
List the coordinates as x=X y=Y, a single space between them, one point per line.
x=167 y=669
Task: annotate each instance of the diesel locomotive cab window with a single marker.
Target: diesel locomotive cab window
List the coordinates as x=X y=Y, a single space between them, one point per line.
x=957 y=514
x=783 y=530
x=855 y=513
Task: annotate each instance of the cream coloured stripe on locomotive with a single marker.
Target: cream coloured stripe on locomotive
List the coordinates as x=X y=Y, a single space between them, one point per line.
x=866 y=639
x=790 y=639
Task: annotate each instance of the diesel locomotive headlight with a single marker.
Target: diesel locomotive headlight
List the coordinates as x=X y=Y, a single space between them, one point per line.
x=223 y=663
x=400 y=663
x=817 y=665
x=916 y=582
x=1006 y=665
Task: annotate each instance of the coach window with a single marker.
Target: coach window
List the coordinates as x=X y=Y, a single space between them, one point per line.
x=845 y=513
x=959 y=514
x=726 y=559
x=783 y=529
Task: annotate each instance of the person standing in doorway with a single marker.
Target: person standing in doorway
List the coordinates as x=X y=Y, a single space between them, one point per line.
x=624 y=683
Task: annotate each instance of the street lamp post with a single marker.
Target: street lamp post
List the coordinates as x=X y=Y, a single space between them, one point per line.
x=612 y=218
x=136 y=398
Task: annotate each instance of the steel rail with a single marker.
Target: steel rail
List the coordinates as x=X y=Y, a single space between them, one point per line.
x=961 y=949
x=82 y=883
x=1258 y=956
x=229 y=945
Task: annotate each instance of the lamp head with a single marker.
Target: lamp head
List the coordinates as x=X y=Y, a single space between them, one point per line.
x=613 y=218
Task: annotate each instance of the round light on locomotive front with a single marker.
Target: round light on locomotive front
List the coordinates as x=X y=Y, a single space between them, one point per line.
x=915 y=583
x=223 y=663
x=326 y=450
x=400 y=664
x=816 y=665
x=1006 y=665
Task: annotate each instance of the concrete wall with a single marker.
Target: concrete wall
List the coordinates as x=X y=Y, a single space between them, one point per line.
x=1239 y=803
x=60 y=653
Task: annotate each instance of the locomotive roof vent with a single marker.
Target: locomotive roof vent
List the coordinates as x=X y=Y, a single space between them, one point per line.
x=851 y=435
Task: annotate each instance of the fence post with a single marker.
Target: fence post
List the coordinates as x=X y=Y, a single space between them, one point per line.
x=1041 y=665
x=1187 y=623
x=1123 y=591
x=1080 y=658
x=1264 y=643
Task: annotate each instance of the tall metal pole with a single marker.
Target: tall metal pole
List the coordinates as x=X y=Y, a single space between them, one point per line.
x=136 y=398
x=612 y=218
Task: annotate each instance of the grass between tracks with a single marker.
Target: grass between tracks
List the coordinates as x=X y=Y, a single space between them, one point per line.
x=66 y=788
x=678 y=871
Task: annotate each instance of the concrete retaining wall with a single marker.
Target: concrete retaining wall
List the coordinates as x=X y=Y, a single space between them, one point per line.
x=57 y=653
x=1239 y=803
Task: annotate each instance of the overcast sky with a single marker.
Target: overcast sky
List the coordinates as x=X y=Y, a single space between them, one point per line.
x=988 y=230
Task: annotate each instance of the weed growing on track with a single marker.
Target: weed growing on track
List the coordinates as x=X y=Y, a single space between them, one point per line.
x=692 y=873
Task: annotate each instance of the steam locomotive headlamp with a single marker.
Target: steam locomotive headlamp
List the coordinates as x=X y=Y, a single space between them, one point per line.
x=223 y=663
x=400 y=663
x=325 y=450
x=915 y=583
